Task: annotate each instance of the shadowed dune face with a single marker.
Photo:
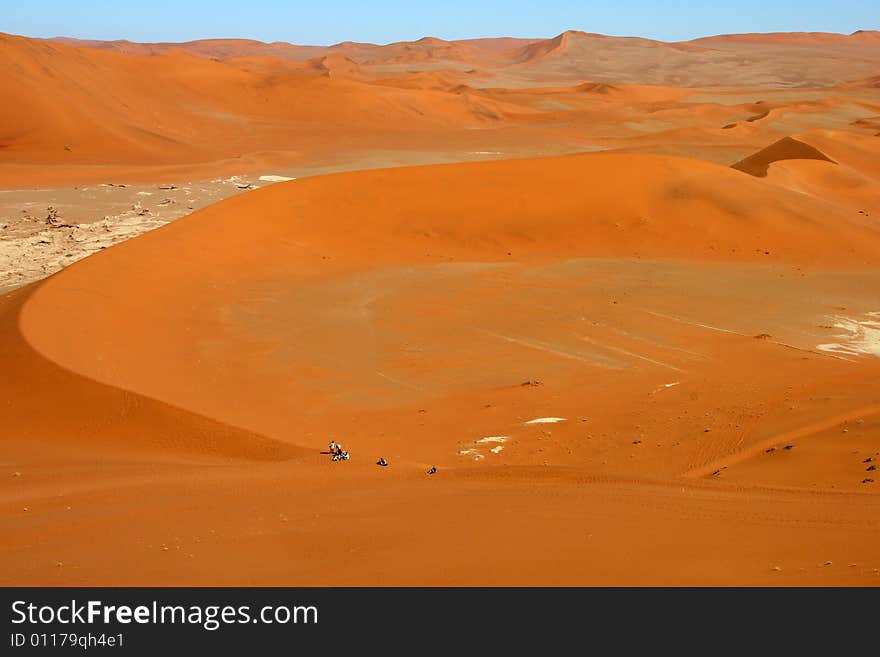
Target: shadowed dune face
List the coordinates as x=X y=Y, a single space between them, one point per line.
x=653 y=366
x=785 y=149
x=51 y=409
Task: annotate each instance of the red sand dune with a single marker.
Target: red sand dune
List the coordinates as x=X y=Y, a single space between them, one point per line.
x=378 y=308
x=177 y=108
x=706 y=336
x=802 y=38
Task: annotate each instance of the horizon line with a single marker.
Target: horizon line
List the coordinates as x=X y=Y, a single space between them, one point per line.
x=428 y=36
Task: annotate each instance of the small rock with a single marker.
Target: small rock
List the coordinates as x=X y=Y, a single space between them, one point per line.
x=776 y=568
x=867 y=480
x=769 y=449
x=763 y=336
x=531 y=382
x=788 y=447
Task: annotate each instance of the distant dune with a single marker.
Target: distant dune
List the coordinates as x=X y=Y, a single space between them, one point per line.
x=177 y=107
x=780 y=59
x=871 y=37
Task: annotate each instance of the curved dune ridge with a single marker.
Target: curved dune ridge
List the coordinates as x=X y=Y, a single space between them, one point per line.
x=336 y=226
x=195 y=374
x=52 y=408
x=801 y=163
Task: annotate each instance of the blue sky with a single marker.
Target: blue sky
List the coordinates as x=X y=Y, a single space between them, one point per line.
x=382 y=21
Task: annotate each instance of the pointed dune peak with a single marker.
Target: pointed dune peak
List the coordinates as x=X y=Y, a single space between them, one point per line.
x=338 y=65
x=549 y=47
x=432 y=41
x=598 y=88
x=867 y=36
x=787 y=148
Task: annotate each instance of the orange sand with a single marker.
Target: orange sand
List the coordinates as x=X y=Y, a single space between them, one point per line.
x=167 y=400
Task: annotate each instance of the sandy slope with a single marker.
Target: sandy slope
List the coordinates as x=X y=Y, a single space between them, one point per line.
x=670 y=311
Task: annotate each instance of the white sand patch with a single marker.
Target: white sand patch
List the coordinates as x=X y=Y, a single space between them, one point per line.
x=492 y=439
x=275 y=178
x=478 y=455
x=546 y=420
x=859 y=337
x=665 y=386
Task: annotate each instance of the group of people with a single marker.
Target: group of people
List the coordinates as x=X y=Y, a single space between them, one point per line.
x=340 y=454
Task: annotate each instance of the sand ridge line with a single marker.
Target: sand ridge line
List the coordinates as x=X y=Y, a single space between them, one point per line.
x=396 y=381
x=744 y=335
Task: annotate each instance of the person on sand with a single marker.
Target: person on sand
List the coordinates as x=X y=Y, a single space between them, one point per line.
x=345 y=456
x=332 y=446
x=382 y=462
x=432 y=470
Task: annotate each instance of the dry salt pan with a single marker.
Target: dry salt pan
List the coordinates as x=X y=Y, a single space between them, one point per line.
x=859 y=337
